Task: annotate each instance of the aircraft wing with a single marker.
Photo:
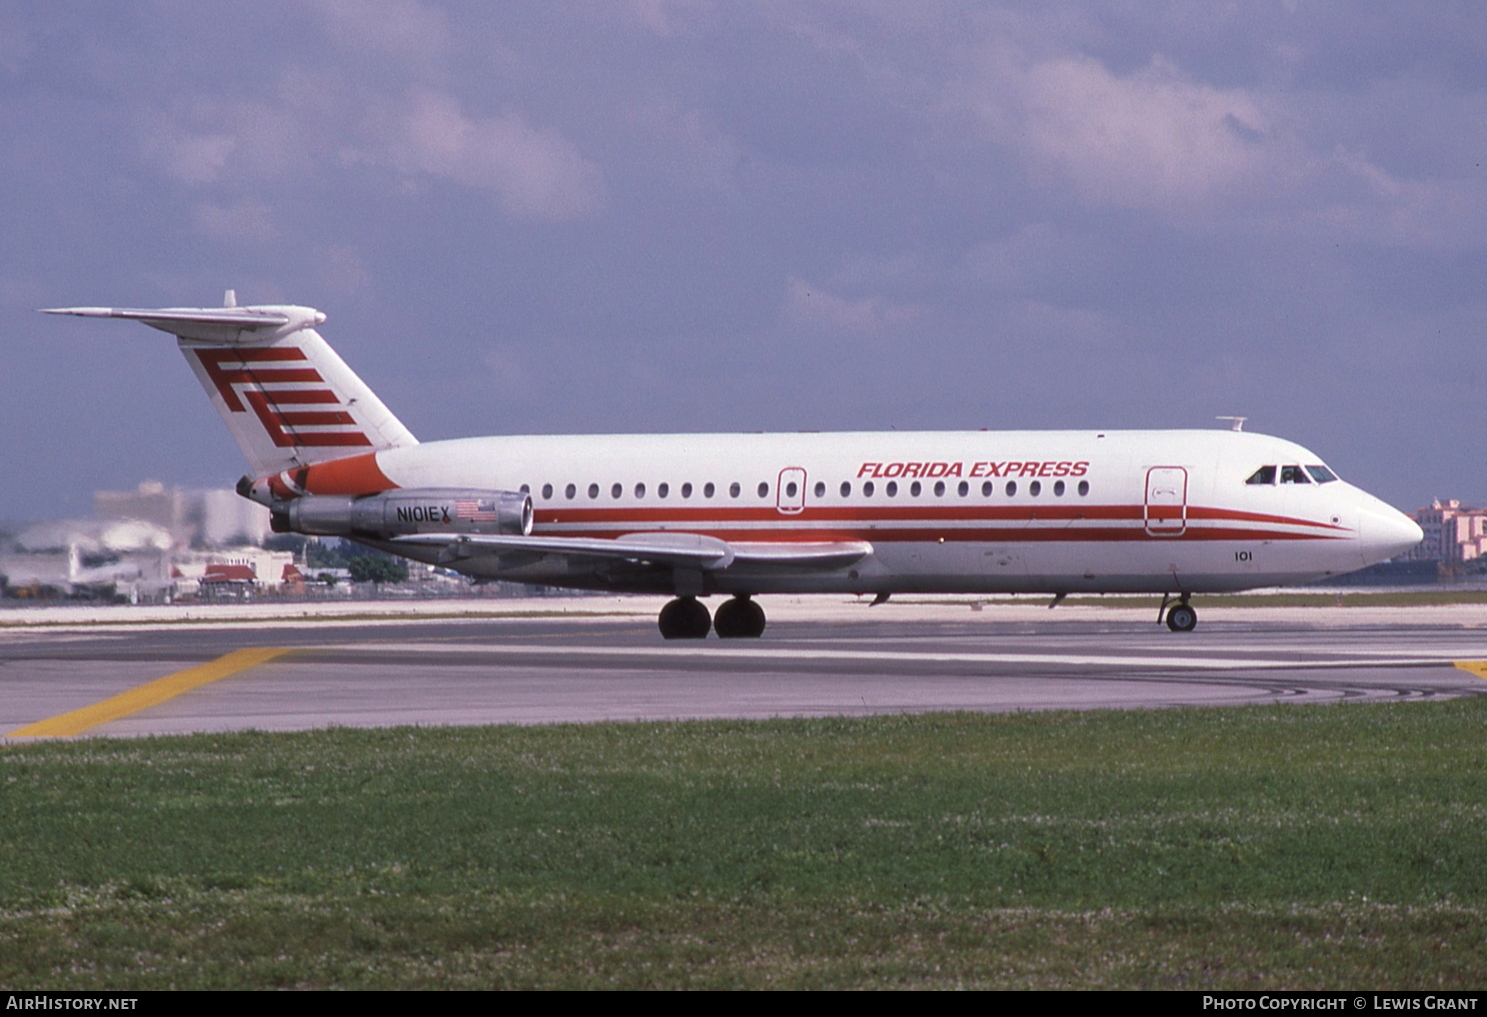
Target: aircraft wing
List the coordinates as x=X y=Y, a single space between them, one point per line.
x=684 y=550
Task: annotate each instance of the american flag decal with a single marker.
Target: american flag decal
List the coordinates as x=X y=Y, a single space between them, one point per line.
x=476 y=511
x=280 y=385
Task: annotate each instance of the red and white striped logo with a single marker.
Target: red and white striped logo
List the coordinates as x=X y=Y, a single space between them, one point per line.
x=279 y=384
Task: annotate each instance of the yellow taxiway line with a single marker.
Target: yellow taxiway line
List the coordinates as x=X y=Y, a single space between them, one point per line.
x=1476 y=667
x=150 y=694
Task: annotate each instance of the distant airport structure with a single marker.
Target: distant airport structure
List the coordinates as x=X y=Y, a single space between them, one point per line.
x=210 y=518
x=151 y=543
x=156 y=544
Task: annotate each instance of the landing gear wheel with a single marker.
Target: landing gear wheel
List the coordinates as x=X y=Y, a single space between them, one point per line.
x=1181 y=618
x=684 y=618
x=739 y=618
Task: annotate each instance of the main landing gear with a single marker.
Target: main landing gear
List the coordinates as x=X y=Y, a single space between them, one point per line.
x=1181 y=617
x=686 y=618
x=739 y=618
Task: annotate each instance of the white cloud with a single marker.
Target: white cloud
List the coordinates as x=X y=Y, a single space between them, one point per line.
x=534 y=171
x=810 y=304
x=316 y=120
x=1154 y=139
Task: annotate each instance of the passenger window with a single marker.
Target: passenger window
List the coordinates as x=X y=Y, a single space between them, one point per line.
x=570 y=491
x=616 y=490
x=525 y=489
x=820 y=489
x=1035 y=488
x=734 y=490
x=687 y=490
x=640 y=490
x=1321 y=474
x=891 y=489
x=1264 y=475
x=986 y=489
x=593 y=490
x=763 y=490
x=708 y=489
x=1058 y=488
x=546 y=491
x=964 y=489
x=868 y=489
x=939 y=489
x=662 y=490
x=1293 y=475
x=1011 y=488
x=790 y=489
x=1083 y=488
x=915 y=488
x=846 y=489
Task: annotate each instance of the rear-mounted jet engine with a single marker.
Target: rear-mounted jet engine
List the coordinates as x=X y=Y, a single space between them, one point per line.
x=403 y=512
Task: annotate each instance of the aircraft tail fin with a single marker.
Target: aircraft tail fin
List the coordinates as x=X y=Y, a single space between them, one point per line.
x=287 y=397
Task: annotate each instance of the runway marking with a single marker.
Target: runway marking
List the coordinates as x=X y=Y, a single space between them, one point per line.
x=713 y=651
x=1476 y=667
x=150 y=694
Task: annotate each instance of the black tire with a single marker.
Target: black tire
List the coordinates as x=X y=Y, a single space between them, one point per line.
x=739 y=618
x=728 y=621
x=754 y=615
x=684 y=618
x=1182 y=618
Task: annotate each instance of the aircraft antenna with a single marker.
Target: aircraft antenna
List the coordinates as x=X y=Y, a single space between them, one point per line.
x=1235 y=423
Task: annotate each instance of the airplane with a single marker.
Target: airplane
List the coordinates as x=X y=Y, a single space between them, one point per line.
x=1170 y=512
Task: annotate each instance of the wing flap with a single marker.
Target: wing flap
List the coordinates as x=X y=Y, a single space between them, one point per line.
x=815 y=554
x=680 y=550
x=685 y=550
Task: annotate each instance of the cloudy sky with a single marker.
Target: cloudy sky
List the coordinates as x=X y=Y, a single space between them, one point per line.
x=676 y=216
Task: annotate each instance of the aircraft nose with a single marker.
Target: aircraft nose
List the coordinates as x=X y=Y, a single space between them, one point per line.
x=1386 y=532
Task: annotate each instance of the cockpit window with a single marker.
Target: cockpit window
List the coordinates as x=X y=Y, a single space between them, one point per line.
x=1321 y=474
x=1264 y=475
x=1293 y=475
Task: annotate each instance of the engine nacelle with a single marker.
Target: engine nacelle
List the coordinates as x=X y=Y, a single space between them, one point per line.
x=401 y=512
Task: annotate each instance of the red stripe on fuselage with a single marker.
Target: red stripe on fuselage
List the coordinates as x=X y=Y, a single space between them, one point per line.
x=856 y=517
x=995 y=535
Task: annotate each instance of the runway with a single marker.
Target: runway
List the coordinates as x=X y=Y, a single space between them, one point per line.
x=813 y=661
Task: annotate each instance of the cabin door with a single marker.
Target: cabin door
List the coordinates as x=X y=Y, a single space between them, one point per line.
x=1166 y=501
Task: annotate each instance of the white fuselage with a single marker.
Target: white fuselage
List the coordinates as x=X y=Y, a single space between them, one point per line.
x=954 y=512
x=690 y=514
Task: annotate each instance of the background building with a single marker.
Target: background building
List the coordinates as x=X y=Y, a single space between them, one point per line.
x=213 y=518
x=1454 y=533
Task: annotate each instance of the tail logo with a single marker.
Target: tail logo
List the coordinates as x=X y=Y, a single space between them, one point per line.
x=279 y=384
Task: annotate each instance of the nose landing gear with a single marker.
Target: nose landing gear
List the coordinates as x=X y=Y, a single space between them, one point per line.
x=684 y=618
x=1181 y=617
x=739 y=618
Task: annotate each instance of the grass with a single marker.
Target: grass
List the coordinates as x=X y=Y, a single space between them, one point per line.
x=1266 y=847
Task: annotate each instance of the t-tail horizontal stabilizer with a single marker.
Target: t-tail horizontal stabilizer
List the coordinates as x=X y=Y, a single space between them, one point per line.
x=287 y=397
